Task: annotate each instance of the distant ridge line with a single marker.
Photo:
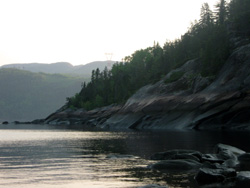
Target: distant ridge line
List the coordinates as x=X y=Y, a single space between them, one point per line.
x=61 y=67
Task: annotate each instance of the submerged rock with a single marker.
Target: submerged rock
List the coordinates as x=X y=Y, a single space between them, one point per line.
x=243 y=179
x=244 y=161
x=116 y=156
x=244 y=158
x=208 y=175
x=224 y=173
x=5 y=123
x=176 y=165
x=177 y=154
x=218 y=169
x=153 y=186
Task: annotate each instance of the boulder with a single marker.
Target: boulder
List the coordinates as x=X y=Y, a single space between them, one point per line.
x=212 y=158
x=224 y=154
x=209 y=176
x=178 y=165
x=5 y=123
x=228 y=154
x=231 y=163
x=219 y=170
x=227 y=151
x=186 y=156
x=207 y=164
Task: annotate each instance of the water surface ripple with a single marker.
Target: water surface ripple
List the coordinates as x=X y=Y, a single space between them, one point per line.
x=44 y=156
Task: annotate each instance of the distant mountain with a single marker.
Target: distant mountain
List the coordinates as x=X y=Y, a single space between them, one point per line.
x=62 y=67
x=54 y=68
x=26 y=96
x=87 y=69
x=34 y=90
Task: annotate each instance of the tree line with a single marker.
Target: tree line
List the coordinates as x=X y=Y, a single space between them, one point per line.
x=208 y=39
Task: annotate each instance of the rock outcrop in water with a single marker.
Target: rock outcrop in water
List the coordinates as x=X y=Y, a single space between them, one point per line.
x=188 y=102
x=228 y=166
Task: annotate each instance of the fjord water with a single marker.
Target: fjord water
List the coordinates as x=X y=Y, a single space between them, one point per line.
x=53 y=156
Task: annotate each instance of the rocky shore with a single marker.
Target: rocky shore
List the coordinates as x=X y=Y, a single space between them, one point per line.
x=188 y=102
x=228 y=166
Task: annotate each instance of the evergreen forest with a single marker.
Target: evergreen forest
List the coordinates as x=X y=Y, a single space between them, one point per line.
x=210 y=39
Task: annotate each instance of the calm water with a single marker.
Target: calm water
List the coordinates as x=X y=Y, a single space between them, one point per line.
x=44 y=156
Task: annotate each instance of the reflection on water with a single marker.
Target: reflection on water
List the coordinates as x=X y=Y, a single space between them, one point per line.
x=53 y=157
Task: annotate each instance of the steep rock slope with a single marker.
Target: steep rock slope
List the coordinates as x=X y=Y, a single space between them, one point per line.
x=182 y=100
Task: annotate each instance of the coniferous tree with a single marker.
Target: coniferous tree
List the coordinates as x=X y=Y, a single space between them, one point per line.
x=206 y=40
x=97 y=73
x=206 y=16
x=221 y=13
x=239 y=16
x=93 y=76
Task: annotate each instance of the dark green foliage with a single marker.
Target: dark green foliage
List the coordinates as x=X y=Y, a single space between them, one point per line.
x=206 y=14
x=207 y=40
x=239 y=17
x=174 y=77
x=222 y=13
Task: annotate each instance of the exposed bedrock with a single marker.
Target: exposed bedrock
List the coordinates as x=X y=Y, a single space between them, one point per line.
x=189 y=102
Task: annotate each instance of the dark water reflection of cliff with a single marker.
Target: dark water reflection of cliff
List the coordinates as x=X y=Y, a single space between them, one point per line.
x=50 y=156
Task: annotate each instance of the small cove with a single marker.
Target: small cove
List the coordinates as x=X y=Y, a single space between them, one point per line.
x=61 y=156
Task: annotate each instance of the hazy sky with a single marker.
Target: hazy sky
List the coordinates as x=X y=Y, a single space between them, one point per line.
x=81 y=31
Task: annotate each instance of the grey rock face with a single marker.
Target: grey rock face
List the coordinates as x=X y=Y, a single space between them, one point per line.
x=195 y=102
x=189 y=102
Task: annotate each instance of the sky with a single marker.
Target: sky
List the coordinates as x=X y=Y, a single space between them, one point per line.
x=82 y=31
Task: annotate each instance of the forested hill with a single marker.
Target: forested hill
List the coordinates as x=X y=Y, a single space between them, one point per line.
x=62 y=67
x=210 y=40
x=27 y=96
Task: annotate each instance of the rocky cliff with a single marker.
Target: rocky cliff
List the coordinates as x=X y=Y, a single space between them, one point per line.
x=182 y=100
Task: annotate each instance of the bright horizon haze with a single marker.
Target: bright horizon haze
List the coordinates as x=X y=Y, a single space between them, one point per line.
x=82 y=31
